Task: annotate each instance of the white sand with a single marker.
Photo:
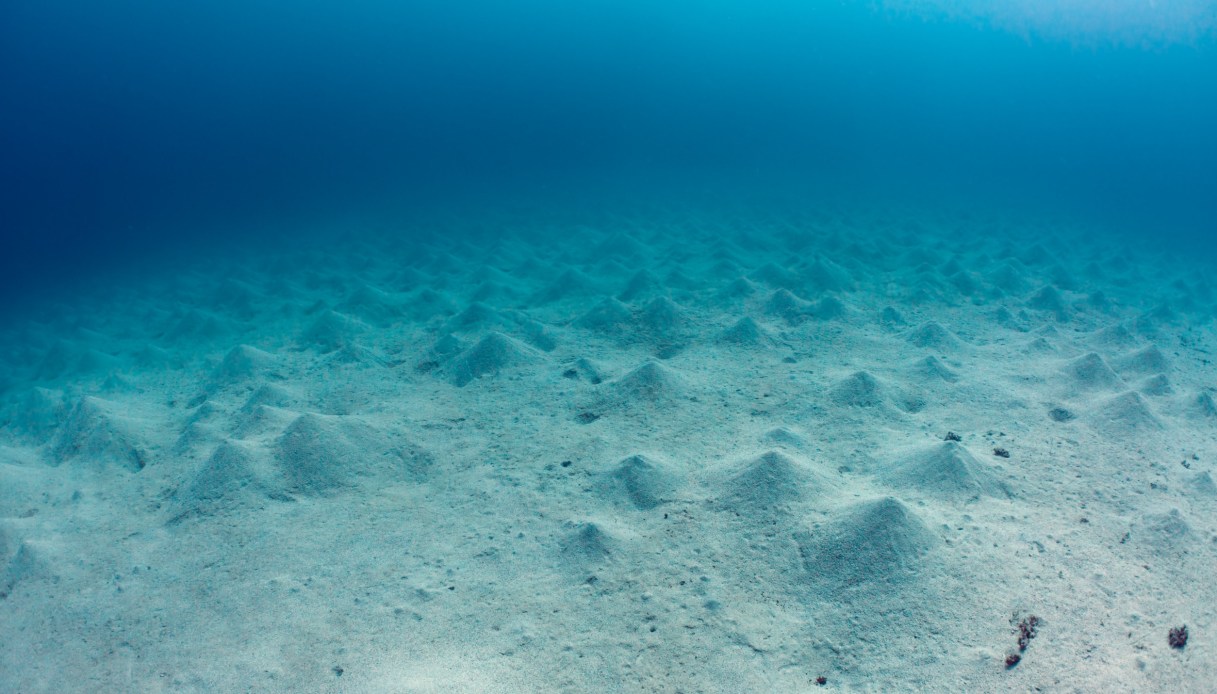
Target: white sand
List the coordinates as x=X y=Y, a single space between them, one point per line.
x=662 y=453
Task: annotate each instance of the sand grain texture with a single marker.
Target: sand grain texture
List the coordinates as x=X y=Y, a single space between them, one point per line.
x=680 y=451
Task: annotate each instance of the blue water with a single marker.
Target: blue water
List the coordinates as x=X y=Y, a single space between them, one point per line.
x=133 y=127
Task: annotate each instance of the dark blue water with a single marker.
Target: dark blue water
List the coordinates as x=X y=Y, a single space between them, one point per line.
x=135 y=126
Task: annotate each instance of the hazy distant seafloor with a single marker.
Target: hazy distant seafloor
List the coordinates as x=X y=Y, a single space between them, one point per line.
x=673 y=452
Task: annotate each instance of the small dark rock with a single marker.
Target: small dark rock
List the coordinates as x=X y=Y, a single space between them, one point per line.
x=821 y=680
x=338 y=670
x=567 y=463
x=1001 y=453
x=952 y=436
x=1012 y=660
x=1177 y=637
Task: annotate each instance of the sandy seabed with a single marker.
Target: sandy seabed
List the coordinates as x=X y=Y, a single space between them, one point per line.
x=672 y=452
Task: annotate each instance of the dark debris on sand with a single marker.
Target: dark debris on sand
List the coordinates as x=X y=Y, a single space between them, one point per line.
x=1027 y=629
x=1177 y=638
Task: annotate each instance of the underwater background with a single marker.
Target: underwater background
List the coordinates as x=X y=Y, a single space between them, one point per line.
x=535 y=346
x=135 y=127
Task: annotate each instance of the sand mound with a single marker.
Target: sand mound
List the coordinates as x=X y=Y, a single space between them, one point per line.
x=775 y=276
x=539 y=335
x=218 y=484
x=587 y=543
x=571 y=284
x=640 y=481
x=493 y=293
x=1166 y=534
x=873 y=544
x=319 y=454
x=67 y=359
x=447 y=346
x=1036 y=254
x=1156 y=386
x=95 y=435
x=931 y=369
x=33 y=559
x=662 y=318
x=1007 y=319
x=1049 y=300
x=947 y=469
x=830 y=308
x=651 y=382
x=769 y=482
x=258 y=420
x=622 y=247
x=735 y=292
x=332 y=330
x=1010 y=279
x=373 y=305
x=154 y=358
x=1202 y=485
x=584 y=369
x=1126 y=414
x=1204 y=407
x=891 y=318
x=1097 y=301
x=269 y=394
x=478 y=316
x=1115 y=337
x=243 y=363
x=785 y=437
x=643 y=285
x=1147 y=360
x=608 y=317
x=1090 y=373
x=1151 y=324
x=933 y=336
x=966 y=283
x=196 y=434
x=783 y=304
x=859 y=389
x=824 y=276
x=746 y=332
x=428 y=303
x=492 y=354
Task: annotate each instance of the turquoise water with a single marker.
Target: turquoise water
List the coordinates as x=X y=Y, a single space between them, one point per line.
x=134 y=126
